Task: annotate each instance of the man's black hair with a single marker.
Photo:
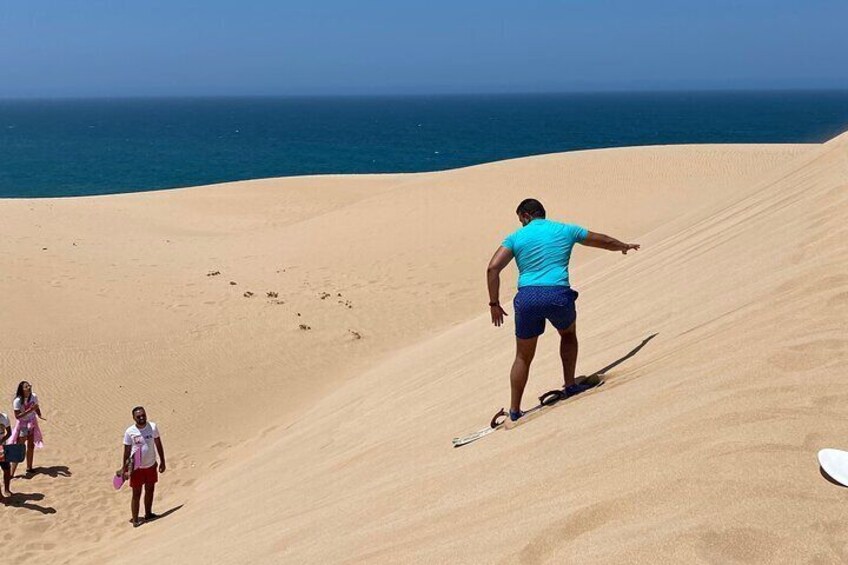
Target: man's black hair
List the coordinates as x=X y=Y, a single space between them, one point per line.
x=531 y=206
x=138 y=408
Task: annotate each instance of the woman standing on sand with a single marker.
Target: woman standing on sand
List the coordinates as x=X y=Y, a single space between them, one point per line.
x=26 y=429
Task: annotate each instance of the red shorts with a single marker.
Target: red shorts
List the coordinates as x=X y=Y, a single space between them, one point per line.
x=144 y=476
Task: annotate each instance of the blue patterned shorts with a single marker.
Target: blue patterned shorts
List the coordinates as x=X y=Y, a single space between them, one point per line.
x=535 y=304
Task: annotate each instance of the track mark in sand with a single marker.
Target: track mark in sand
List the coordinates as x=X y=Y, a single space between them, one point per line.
x=731 y=420
x=749 y=449
x=543 y=545
x=340 y=299
x=837 y=400
x=184 y=483
x=838 y=300
x=267 y=431
x=812 y=440
x=40 y=546
x=736 y=545
x=809 y=355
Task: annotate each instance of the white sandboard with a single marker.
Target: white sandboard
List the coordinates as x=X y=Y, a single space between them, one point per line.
x=835 y=464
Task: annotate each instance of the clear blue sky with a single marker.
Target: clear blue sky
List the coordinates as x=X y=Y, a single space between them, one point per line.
x=262 y=47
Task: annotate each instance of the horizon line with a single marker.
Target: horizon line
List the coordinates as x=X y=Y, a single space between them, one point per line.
x=443 y=94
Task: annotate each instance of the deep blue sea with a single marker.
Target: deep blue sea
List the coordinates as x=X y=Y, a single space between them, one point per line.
x=99 y=146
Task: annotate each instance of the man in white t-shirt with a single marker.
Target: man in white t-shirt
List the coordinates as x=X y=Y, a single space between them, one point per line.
x=5 y=433
x=139 y=452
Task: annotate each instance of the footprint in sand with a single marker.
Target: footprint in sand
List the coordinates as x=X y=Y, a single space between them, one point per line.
x=267 y=431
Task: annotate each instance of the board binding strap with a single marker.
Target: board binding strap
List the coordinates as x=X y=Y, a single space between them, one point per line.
x=549 y=398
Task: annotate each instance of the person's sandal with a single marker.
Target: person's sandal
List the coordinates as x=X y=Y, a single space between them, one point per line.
x=576 y=389
x=552 y=397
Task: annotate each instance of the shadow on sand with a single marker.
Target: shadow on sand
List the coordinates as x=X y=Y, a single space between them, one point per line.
x=618 y=362
x=22 y=500
x=163 y=514
x=54 y=471
x=540 y=409
x=830 y=479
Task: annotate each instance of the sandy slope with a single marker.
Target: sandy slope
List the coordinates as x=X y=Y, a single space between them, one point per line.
x=290 y=445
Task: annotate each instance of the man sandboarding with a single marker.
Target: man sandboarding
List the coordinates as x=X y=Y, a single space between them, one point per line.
x=542 y=249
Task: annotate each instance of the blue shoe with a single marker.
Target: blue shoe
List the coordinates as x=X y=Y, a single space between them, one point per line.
x=576 y=389
x=513 y=415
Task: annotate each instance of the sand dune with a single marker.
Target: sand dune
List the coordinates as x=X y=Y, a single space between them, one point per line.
x=331 y=444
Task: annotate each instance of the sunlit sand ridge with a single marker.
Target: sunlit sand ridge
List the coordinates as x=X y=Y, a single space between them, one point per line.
x=315 y=425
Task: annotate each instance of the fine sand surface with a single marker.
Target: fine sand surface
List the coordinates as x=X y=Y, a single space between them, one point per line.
x=332 y=443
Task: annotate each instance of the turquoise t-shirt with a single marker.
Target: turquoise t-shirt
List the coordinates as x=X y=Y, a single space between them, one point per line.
x=542 y=250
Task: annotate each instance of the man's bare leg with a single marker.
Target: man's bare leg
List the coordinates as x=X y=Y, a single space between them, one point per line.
x=525 y=350
x=568 y=353
x=30 y=451
x=148 y=499
x=136 y=500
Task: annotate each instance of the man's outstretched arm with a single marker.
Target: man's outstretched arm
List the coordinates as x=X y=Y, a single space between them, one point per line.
x=500 y=259
x=606 y=242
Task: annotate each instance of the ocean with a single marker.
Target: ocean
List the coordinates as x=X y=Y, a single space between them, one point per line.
x=102 y=146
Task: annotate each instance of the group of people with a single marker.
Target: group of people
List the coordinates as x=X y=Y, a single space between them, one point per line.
x=542 y=250
x=139 y=463
x=26 y=432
